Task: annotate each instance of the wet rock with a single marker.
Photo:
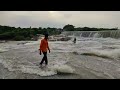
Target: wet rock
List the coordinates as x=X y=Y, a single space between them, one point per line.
x=22 y=43
x=64 y=39
x=59 y=38
x=3 y=41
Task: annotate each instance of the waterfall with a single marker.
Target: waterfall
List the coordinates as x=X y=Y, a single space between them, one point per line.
x=96 y=34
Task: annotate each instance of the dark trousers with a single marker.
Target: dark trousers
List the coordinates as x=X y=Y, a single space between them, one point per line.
x=44 y=58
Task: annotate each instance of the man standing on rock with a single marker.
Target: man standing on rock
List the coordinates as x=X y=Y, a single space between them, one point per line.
x=43 y=49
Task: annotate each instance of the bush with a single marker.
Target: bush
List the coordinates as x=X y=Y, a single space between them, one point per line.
x=27 y=38
x=19 y=38
x=6 y=36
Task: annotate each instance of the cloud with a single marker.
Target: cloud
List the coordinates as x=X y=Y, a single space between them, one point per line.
x=60 y=18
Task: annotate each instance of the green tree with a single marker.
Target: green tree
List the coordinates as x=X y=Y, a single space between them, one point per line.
x=68 y=28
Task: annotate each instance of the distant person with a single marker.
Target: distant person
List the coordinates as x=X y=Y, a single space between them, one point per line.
x=43 y=49
x=74 y=40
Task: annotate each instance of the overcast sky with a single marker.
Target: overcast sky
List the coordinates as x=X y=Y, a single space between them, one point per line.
x=58 y=19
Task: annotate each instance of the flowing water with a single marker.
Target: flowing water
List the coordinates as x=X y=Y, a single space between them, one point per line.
x=95 y=55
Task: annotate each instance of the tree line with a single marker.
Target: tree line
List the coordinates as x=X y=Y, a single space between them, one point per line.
x=13 y=33
x=72 y=28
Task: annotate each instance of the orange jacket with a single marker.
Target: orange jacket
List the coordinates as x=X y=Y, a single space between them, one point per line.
x=44 y=45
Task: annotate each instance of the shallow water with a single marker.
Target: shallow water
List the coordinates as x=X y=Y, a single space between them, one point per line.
x=89 y=58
